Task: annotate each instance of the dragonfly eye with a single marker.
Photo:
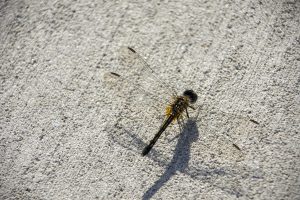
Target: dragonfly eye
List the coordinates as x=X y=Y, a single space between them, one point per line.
x=191 y=95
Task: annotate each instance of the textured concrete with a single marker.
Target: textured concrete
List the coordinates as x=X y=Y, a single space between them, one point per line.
x=68 y=131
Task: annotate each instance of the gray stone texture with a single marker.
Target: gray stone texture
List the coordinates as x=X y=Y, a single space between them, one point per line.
x=67 y=131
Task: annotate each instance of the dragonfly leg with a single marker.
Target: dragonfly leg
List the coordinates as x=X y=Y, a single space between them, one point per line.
x=187 y=113
x=192 y=107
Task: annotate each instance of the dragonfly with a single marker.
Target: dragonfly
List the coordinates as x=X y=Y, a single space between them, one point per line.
x=137 y=76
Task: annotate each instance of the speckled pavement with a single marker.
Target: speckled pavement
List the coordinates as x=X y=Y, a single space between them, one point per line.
x=69 y=132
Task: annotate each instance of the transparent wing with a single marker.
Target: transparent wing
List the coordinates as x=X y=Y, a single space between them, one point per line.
x=144 y=94
x=225 y=137
x=135 y=76
x=146 y=78
x=216 y=136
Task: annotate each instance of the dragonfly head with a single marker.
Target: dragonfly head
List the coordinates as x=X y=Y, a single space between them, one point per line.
x=191 y=95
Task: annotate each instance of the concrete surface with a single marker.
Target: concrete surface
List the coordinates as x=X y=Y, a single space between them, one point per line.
x=67 y=132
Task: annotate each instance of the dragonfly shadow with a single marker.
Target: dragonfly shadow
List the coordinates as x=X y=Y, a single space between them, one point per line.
x=180 y=159
x=180 y=162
